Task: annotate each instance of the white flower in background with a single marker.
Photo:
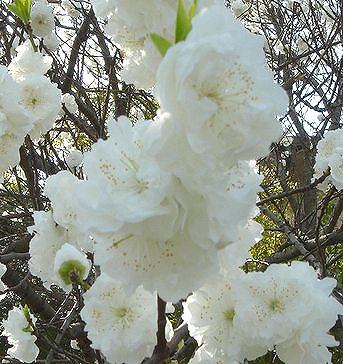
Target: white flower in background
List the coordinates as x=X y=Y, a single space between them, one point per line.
x=221 y=103
x=69 y=102
x=74 y=159
x=168 y=267
x=28 y=62
x=51 y=41
x=70 y=264
x=14 y=121
x=238 y=7
x=42 y=100
x=14 y=46
x=123 y=327
x=336 y=166
x=16 y=328
x=327 y=148
x=60 y=189
x=330 y=154
x=278 y=310
x=130 y=24
x=125 y=183
x=70 y=8
x=9 y=150
x=48 y=239
x=210 y=315
x=139 y=67
x=42 y=19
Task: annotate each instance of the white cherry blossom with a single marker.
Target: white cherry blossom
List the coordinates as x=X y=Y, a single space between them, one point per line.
x=122 y=326
x=42 y=18
x=19 y=336
x=278 y=309
x=222 y=103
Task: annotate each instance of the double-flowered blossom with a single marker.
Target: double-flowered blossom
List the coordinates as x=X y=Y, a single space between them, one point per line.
x=126 y=181
x=288 y=308
x=14 y=120
x=18 y=331
x=330 y=154
x=130 y=24
x=40 y=98
x=210 y=315
x=29 y=102
x=285 y=308
x=220 y=103
x=137 y=221
x=122 y=326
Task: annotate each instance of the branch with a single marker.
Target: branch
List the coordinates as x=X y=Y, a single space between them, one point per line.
x=292 y=237
x=315 y=183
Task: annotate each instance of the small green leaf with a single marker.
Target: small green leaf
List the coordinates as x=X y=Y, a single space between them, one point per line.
x=26 y=311
x=183 y=23
x=162 y=44
x=27 y=328
x=21 y=8
x=14 y=10
x=28 y=8
x=192 y=10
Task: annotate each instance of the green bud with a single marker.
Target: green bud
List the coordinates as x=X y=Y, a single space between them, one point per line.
x=72 y=271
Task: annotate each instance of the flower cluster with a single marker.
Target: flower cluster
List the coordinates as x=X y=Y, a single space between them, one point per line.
x=29 y=102
x=164 y=204
x=330 y=154
x=285 y=308
x=123 y=327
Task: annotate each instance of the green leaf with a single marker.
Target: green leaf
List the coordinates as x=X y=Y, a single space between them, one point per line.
x=192 y=10
x=27 y=7
x=162 y=44
x=21 y=8
x=26 y=311
x=184 y=20
x=14 y=10
x=183 y=23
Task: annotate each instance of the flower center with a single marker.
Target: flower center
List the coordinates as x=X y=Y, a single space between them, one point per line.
x=229 y=314
x=121 y=312
x=276 y=305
